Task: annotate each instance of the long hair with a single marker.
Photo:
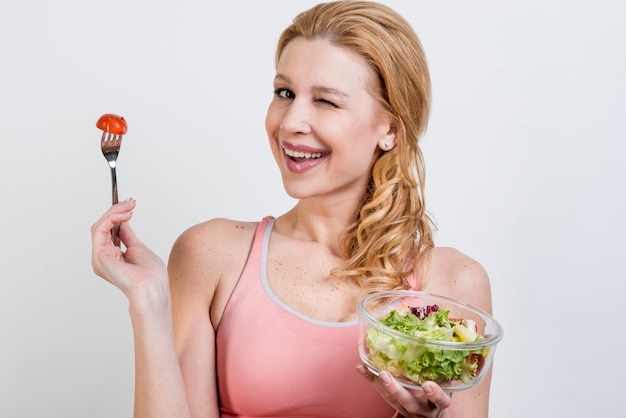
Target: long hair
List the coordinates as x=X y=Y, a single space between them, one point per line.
x=391 y=235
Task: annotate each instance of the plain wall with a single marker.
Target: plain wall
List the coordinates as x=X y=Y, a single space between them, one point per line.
x=526 y=170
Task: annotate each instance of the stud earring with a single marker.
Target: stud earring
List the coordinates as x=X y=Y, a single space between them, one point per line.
x=387 y=145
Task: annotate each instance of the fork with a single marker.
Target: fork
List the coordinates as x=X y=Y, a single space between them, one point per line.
x=113 y=128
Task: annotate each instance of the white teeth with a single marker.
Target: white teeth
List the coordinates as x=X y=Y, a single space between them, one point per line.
x=300 y=154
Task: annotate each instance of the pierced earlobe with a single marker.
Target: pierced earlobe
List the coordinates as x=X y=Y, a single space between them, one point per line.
x=386 y=146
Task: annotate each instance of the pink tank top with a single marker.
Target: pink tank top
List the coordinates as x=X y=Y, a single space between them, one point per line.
x=273 y=361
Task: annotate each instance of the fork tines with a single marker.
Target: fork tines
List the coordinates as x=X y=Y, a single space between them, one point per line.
x=111 y=141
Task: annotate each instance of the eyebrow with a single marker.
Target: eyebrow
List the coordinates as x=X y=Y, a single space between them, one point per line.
x=315 y=89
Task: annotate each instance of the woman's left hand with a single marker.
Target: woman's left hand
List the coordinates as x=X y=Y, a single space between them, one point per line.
x=430 y=402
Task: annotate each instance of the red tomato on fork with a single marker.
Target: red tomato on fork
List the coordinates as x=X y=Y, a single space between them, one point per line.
x=112 y=124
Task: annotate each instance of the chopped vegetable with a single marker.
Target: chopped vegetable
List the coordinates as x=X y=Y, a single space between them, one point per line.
x=420 y=362
x=112 y=124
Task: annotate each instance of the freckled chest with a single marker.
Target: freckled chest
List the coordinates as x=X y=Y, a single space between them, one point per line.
x=299 y=274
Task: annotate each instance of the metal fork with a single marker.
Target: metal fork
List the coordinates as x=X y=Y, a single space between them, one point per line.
x=110 y=144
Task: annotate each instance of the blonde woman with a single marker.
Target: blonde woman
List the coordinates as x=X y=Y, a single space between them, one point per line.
x=259 y=319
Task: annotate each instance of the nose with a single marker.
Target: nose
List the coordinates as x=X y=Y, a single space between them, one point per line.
x=297 y=117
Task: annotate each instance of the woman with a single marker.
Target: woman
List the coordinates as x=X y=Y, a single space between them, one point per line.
x=259 y=319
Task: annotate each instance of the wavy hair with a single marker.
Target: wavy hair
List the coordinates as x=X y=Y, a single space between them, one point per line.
x=391 y=236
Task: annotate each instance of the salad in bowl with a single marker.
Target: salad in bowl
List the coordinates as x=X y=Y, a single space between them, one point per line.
x=419 y=336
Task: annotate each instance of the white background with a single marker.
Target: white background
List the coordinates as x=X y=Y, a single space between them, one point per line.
x=526 y=173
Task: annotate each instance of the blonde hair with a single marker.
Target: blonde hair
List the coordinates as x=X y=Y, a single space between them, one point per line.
x=391 y=235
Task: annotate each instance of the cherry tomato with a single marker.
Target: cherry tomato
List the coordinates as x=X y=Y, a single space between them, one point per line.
x=112 y=124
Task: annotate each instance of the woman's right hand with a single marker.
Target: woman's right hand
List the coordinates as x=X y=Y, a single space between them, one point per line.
x=138 y=272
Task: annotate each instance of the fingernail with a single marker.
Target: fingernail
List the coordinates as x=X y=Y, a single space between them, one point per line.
x=427 y=388
x=361 y=370
x=386 y=378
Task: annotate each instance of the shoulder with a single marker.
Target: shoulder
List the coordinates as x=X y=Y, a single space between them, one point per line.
x=214 y=236
x=217 y=226
x=459 y=276
x=211 y=249
x=204 y=265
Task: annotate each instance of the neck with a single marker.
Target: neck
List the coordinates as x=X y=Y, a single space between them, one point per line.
x=315 y=224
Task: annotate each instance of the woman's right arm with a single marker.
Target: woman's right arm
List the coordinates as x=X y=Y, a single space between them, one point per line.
x=159 y=383
x=193 y=274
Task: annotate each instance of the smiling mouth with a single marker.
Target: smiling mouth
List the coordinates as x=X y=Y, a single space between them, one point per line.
x=303 y=156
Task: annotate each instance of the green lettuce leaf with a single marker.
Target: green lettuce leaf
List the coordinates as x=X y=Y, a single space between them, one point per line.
x=415 y=361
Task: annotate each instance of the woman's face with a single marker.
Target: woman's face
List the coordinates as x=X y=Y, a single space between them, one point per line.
x=323 y=124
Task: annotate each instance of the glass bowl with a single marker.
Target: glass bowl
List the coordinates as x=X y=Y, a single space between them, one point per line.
x=452 y=356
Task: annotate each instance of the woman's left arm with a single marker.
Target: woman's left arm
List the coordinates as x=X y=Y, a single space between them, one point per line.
x=458 y=276
x=454 y=275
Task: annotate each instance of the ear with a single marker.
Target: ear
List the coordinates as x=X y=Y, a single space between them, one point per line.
x=388 y=141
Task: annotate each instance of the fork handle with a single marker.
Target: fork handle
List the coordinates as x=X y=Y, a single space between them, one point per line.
x=116 y=228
